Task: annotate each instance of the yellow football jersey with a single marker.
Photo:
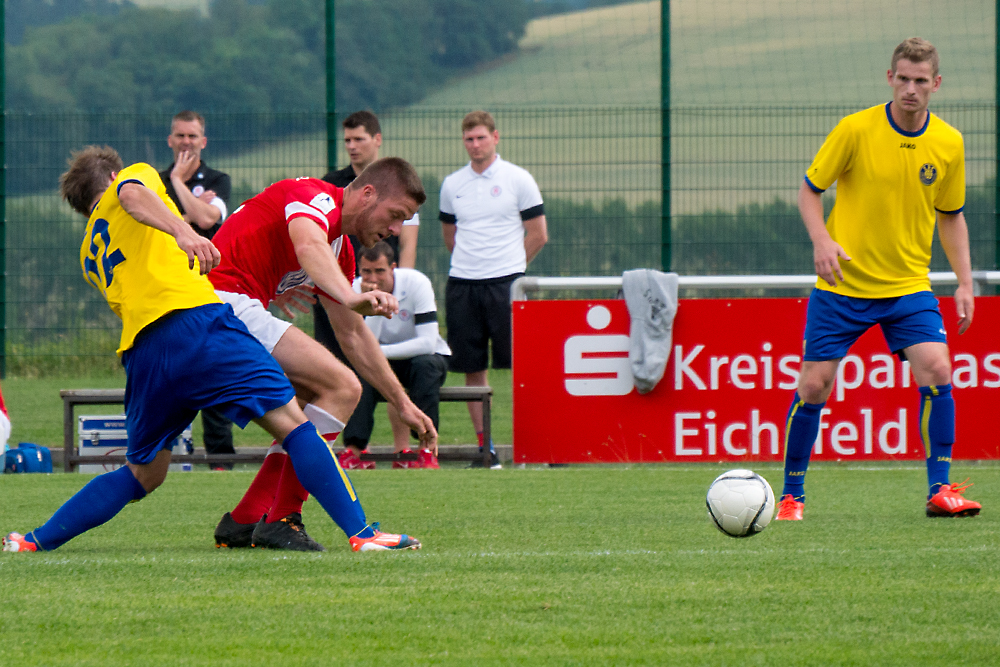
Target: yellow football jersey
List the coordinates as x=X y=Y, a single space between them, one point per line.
x=889 y=184
x=140 y=270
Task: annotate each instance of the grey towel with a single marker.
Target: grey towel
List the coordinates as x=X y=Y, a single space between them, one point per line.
x=651 y=298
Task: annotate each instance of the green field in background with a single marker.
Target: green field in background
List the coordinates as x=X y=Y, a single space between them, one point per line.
x=570 y=566
x=36 y=412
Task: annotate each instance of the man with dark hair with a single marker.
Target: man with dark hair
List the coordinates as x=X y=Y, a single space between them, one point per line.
x=288 y=237
x=412 y=344
x=493 y=223
x=202 y=196
x=899 y=169
x=183 y=350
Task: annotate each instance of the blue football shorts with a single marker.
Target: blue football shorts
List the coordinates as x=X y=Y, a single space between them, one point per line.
x=834 y=322
x=189 y=360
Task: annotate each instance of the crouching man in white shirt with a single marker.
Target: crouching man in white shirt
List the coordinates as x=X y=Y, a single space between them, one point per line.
x=412 y=344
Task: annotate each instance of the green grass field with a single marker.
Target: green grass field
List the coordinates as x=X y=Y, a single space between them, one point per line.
x=579 y=565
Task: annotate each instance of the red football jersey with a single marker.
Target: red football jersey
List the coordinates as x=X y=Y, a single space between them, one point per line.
x=258 y=258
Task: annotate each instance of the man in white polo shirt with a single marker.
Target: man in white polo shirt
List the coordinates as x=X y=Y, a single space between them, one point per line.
x=493 y=223
x=411 y=342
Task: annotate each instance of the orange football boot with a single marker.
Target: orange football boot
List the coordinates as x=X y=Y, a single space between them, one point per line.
x=949 y=501
x=790 y=509
x=17 y=542
x=383 y=541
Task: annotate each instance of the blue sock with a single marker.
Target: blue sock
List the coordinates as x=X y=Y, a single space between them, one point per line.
x=800 y=434
x=96 y=503
x=321 y=475
x=937 y=430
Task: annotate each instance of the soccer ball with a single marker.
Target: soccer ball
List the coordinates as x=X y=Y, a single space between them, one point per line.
x=740 y=502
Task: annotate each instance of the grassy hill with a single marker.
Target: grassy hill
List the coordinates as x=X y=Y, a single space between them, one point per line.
x=732 y=53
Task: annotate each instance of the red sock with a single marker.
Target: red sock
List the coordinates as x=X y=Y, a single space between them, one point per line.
x=479 y=437
x=290 y=495
x=260 y=496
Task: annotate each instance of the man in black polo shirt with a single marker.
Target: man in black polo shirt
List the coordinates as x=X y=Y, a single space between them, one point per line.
x=202 y=195
x=362 y=140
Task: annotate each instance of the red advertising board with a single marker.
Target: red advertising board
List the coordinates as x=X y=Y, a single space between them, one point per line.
x=728 y=385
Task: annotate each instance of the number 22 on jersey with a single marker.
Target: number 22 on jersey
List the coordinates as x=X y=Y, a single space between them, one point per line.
x=99 y=266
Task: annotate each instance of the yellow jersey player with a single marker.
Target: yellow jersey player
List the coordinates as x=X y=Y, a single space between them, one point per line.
x=183 y=350
x=899 y=169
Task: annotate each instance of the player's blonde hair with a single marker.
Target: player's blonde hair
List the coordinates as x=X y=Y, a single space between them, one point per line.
x=917 y=50
x=88 y=175
x=477 y=118
x=392 y=176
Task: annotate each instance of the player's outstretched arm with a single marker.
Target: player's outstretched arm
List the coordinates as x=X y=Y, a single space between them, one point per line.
x=363 y=351
x=827 y=253
x=954 y=234
x=315 y=256
x=142 y=204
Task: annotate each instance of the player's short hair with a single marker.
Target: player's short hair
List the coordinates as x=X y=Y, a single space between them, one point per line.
x=380 y=249
x=187 y=116
x=477 y=118
x=392 y=176
x=917 y=50
x=87 y=177
x=365 y=119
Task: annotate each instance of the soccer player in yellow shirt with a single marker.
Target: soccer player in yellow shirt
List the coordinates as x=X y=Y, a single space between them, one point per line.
x=898 y=168
x=183 y=350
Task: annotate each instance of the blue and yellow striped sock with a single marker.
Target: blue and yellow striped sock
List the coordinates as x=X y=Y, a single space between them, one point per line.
x=801 y=428
x=937 y=431
x=319 y=473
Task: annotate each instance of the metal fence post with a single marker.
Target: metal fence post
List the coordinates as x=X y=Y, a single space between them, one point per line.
x=331 y=88
x=665 y=240
x=3 y=198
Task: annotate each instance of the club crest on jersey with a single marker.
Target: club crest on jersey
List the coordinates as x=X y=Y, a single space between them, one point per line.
x=496 y=190
x=323 y=202
x=928 y=174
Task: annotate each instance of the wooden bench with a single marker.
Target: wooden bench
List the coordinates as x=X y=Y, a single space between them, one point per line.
x=74 y=397
x=460 y=394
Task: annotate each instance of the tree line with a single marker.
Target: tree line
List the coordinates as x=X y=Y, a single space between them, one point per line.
x=246 y=56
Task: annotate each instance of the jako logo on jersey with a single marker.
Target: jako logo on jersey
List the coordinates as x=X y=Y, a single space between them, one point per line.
x=495 y=191
x=323 y=202
x=928 y=174
x=597 y=365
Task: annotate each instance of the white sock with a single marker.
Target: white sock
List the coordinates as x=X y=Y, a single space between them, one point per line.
x=323 y=420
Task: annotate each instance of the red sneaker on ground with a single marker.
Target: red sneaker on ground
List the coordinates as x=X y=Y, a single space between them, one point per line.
x=428 y=460
x=406 y=464
x=949 y=501
x=790 y=509
x=350 y=461
x=17 y=542
x=384 y=541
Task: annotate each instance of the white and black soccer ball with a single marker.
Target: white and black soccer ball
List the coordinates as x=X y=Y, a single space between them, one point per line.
x=740 y=502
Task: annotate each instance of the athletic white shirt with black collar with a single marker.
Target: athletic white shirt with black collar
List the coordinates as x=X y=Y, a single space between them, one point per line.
x=488 y=211
x=414 y=329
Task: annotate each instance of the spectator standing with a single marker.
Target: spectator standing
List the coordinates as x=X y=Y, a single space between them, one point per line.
x=202 y=196
x=362 y=140
x=493 y=224
x=413 y=345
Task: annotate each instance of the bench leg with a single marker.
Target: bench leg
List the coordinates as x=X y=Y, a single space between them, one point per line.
x=68 y=432
x=487 y=435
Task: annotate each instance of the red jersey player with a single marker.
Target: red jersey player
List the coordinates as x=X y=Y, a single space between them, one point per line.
x=289 y=236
